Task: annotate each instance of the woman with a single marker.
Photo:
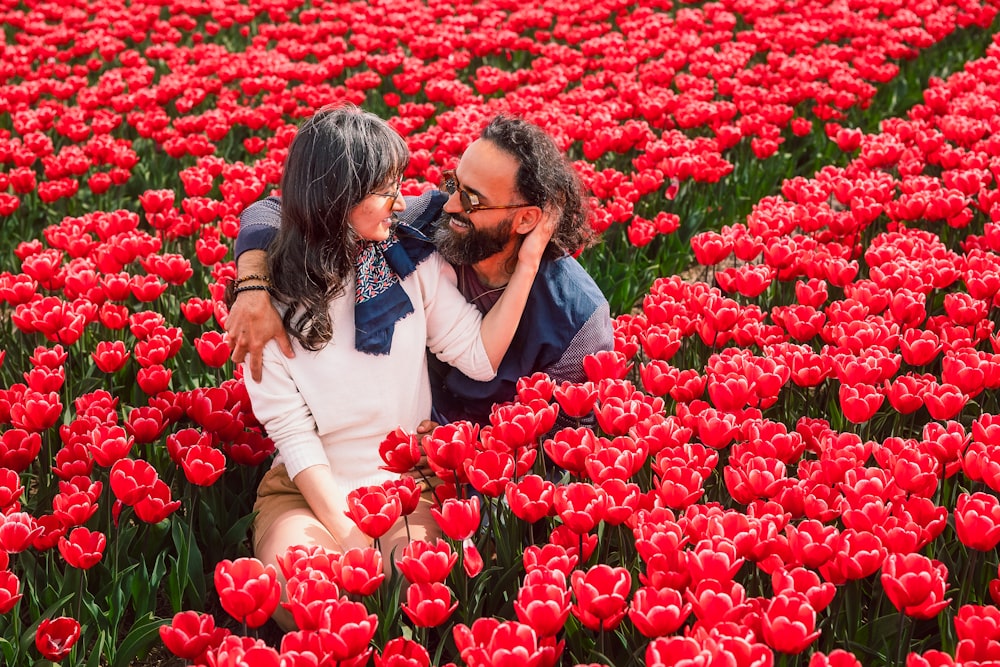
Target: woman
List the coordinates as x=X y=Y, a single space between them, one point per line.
x=362 y=302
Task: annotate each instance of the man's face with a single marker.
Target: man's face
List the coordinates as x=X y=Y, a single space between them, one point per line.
x=468 y=238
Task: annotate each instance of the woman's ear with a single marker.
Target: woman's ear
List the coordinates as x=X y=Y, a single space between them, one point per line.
x=527 y=219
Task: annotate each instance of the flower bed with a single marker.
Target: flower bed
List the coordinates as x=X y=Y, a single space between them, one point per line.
x=792 y=462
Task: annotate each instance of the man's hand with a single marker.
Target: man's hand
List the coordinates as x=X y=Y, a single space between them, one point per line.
x=251 y=323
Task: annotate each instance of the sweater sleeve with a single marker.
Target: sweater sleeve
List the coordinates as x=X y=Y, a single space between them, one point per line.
x=453 y=324
x=596 y=335
x=282 y=410
x=259 y=224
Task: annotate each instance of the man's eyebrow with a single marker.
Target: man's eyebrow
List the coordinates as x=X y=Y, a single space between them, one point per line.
x=468 y=189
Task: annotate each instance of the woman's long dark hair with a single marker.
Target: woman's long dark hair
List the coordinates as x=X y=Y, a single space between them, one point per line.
x=337 y=158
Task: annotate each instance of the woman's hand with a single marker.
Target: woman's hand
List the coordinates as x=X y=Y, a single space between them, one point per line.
x=534 y=243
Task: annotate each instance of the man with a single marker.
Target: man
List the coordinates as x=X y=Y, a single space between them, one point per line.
x=510 y=173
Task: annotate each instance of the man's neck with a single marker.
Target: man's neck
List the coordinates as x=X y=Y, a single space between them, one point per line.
x=496 y=270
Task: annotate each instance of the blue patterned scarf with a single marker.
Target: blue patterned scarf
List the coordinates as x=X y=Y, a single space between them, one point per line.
x=380 y=300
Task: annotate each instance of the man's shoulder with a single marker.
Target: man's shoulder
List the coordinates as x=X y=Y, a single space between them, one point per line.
x=565 y=283
x=423 y=210
x=566 y=271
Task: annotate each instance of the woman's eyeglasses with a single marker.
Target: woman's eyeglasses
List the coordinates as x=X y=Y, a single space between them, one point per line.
x=390 y=195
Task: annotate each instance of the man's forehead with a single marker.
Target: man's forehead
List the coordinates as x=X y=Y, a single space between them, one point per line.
x=484 y=161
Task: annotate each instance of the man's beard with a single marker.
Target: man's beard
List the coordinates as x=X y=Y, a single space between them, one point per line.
x=474 y=245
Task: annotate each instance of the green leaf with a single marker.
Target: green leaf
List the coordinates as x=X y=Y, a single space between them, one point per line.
x=137 y=642
x=96 y=651
x=8 y=650
x=239 y=531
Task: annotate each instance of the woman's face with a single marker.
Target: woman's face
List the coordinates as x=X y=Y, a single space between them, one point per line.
x=372 y=218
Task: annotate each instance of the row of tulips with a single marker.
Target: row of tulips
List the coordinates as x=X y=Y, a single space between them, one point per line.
x=758 y=500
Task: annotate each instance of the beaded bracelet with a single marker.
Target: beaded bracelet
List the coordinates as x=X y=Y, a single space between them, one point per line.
x=253 y=276
x=251 y=288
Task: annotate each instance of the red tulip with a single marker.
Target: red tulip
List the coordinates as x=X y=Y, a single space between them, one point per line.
x=978 y=631
x=402 y=652
x=977 y=520
x=601 y=596
x=569 y=448
x=860 y=402
x=570 y=541
x=657 y=612
x=605 y=364
x=248 y=590
x=10 y=587
x=236 y=650
x=425 y=563
x=131 y=479
x=83 y=548
x=548 y=557
x=516 y=425
x=428 y=605
x=716 y=602
x=400 y=451
x=530 y=499
x=836 y=658
x=36 y=411
x=805 y=582
x=492 y=643
x=472 y=560
x=715 y=429
x=812 y=542
x=203 y=465
x=110 y=356
x=153 y=379
x=145 y=424
x=623 y=500
x=374 y=510
x=157 y=505
x=919 y=346
x=359 y=571
x=212 y=348
x=448 y=447
x=710 y=248
x=458 y=519
x=406 y=489
x=489 y=472
x=536 y=385
x=576 y=399
x=19 y=448
x=17 y=530
x=915 y=584
x=789 y=623
x=349 y=629
x=55 y=637
x=944 y=401
x=309 y=601
x=580 y=506
x=906 y=393
x=543 y=601
x=190 y=634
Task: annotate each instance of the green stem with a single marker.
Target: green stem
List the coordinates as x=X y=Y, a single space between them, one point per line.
x=900 y=649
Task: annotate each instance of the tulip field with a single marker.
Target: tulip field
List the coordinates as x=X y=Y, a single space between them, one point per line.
x=791 y=457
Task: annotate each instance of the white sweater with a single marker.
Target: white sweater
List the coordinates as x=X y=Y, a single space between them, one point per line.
x=334 y=406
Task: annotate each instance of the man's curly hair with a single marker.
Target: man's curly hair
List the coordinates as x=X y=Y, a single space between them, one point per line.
x=545 y=177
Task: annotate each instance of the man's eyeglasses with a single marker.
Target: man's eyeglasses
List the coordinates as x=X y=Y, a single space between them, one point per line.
x=470 y=202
